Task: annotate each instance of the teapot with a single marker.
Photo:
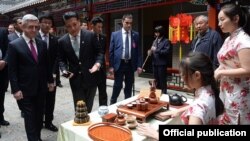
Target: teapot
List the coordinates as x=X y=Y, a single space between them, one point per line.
x=120 y=119
x=177 y=100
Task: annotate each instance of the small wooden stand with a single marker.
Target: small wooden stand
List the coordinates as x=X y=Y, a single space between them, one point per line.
x=142 y=115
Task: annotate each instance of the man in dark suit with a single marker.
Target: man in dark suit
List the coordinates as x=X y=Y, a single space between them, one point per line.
x=125 y=57
x=46 y=22
x=3 y=72
x=97 y=24
x=17 y=22
x=29 y=74
x=79 y=58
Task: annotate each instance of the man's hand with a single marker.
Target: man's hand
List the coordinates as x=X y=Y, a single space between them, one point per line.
x=67 y=74
x=51 y=87
x=95 y=68
x=18 y=95
x=139 y=71
x=2 y=64
x=111 y=71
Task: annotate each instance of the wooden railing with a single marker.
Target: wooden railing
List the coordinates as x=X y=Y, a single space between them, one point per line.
x=174 y=81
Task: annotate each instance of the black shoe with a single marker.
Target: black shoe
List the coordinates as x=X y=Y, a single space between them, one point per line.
x=60 y=85
x=4 y=123
x=51 y=127
x=22 y=114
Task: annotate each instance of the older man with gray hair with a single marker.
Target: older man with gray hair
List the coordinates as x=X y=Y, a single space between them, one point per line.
x=207 y=41
x=30 y=76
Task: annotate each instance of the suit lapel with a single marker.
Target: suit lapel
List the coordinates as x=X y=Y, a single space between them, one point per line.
x=68 y=41
x=16 y=35
x=39 y=35
x=81 y=51
x=120 y=42
x=133 y=44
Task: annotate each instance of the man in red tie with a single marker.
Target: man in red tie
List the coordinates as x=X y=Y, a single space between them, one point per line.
x=30 y=75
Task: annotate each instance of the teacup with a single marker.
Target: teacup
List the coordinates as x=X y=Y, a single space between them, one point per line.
x=103 y=110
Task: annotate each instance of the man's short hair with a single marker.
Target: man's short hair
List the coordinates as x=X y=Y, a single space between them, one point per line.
x=204 y=18
x=29 y=17
x=96 y=20
x=14 y=20
x=129 y=16
x=46 y=16
x=69 y=15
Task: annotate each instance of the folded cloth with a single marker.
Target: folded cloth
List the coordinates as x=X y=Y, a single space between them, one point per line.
x=160 y=117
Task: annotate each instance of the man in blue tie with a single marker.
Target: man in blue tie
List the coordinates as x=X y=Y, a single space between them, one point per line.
x=125 y=57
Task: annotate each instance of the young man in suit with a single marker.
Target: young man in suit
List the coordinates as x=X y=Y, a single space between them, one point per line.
x=46 y=22
x=80 y=57
x=3 y=72
x=125 y=57
x=30 y=75
x=97 y=24
x=17 y=22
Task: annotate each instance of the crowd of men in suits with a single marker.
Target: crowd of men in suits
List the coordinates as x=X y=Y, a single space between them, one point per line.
x=30 y=58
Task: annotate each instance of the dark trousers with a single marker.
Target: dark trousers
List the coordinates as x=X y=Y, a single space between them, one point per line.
x=58 y=81
x=49 y=107
x=3 y=88
x=80 y=92
x=32 y=107
x=102 y=89
x=160 y=76
x=126 y=73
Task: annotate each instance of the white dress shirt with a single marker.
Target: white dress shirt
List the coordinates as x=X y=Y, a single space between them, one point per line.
x=124 y=34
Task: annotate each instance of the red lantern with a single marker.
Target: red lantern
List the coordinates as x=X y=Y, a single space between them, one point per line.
x=180 y=28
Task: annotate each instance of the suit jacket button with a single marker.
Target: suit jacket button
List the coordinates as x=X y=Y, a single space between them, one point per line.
x=80 y=72
x=80 y=63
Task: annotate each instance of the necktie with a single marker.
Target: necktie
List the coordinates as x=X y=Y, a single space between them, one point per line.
x=75 y=46
x=45 y=38
x=126 y=47
x=33 y=50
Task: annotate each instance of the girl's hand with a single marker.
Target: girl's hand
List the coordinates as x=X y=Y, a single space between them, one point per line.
x=217 y=74
x=172 y=114
x=146 y=130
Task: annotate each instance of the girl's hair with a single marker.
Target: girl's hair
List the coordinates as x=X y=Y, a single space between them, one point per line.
x=231 y=10
x=196 y=61
x=160 y=29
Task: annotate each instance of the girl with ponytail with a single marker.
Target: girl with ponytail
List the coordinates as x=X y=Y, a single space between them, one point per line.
x=234 y=69
x=197 y=72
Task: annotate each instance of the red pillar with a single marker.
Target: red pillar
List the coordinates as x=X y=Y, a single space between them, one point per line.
x=212 y=15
